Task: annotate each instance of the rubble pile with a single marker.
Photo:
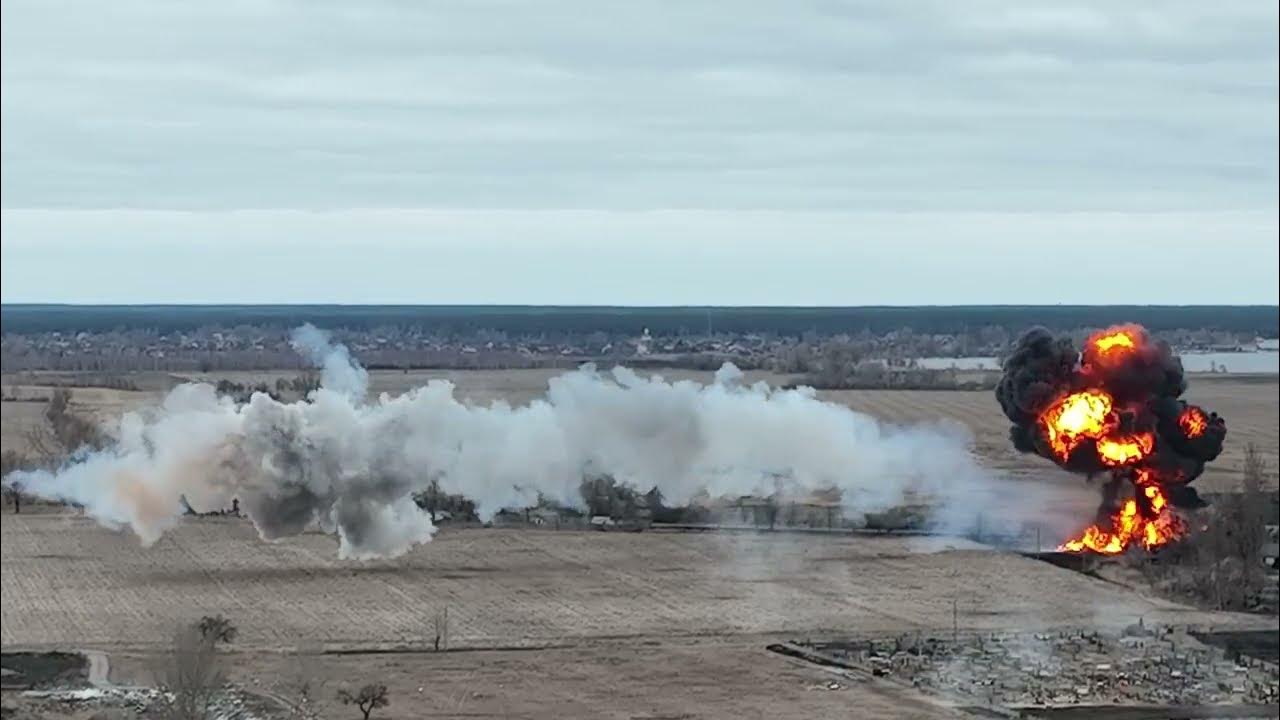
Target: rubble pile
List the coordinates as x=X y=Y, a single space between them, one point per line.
x=1141 y=666
x=229 y=704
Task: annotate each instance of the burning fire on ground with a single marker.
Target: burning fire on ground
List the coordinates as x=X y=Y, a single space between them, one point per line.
x=1113 y=407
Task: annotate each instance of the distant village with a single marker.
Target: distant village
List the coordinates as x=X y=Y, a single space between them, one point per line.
x=245 y=347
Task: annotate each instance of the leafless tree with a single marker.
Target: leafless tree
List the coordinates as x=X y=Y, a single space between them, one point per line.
x=369 y=698
x=72 y=431
x=191 y=677
x=63 y=431
x=10 y=461
x=1220 y=563
x=301 y=682
x=217 y=629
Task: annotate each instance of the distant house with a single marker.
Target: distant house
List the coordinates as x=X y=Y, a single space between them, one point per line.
x=813 y=511
x=545 y=517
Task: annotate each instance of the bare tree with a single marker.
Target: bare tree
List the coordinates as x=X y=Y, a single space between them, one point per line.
x=1220 y=563
x=10 y=461
x=63 y=431
x=191 y=677
x=1252 y=515
x=72 y=431
x=369 y=698
x=44 y=444
x=216 y=629
x=300 y=683
x=839 y=360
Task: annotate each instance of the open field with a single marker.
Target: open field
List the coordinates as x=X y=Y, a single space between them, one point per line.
x=1251 y=405
x=68 y=581
x=544 y=624
x=727 y=679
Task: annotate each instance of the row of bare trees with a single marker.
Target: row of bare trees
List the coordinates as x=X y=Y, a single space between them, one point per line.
x=61 y=434
x=192 y=678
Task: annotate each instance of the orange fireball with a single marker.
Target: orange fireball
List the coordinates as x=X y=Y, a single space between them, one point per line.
x=1116 y=451
x=1111 y=346
x=1075 y=418
x=1121 y=339
x=1193 y=422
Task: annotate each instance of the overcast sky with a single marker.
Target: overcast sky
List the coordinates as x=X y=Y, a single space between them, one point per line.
x=640 y=153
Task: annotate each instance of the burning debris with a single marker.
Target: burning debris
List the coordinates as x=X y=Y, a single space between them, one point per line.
x=1113 y=408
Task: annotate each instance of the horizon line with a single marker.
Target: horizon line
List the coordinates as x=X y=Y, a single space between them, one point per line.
x=576 y=306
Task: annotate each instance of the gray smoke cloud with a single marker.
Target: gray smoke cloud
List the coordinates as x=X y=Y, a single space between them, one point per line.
x=352 y=465
x=339 y=372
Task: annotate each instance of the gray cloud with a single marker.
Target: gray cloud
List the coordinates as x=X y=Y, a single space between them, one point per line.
x=642 y=153
x=637 y=258
x=993 y=106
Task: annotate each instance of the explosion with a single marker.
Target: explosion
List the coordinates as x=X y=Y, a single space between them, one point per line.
x=1193 y=422
x=1121 y=339
x=1113 y=407
x=1075 y=418
x=1144 y=519
x=1125 y=449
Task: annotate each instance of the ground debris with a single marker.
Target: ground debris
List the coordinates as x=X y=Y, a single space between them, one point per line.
x=1152 y=666
x=230 y=704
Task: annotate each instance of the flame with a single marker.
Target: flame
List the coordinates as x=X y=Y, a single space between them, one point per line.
x=1193 y=422
x=1076 y=417
x=1125 y=449
x=1113 y=346
x=1118 y=339
x=1129 y=527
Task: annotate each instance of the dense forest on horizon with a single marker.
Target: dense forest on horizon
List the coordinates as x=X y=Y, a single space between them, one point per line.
x=1261 y=320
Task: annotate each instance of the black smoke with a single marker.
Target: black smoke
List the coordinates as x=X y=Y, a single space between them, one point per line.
x=1146 y=383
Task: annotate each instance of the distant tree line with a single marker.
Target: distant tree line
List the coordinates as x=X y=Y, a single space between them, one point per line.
x=1262 y=320
x=283 y=389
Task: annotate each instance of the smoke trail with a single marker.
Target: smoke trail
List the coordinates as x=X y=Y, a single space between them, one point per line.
x=353 y=466
x=339 y=372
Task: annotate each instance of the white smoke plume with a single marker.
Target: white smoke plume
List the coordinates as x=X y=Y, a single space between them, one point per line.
x=339 y=372
x=352 y=466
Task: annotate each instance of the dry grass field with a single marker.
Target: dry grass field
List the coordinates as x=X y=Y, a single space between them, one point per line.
x=543 y=624
x=67 y=581
x=546 y=624
x=727 y=679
